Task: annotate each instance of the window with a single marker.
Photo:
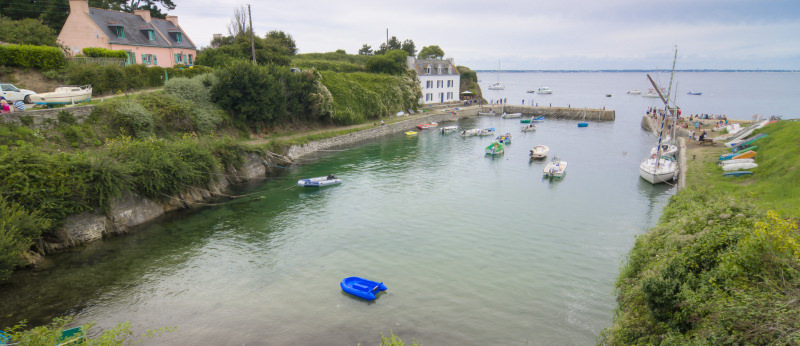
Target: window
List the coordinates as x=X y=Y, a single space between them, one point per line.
x=131 y=58
x=429 y=84
x=190 y=59
x=178 y=37
x=439 y=69
x=120 y=31
x=428 y=69
x=450 y=96
x=147 y=59
x=151 y=35
x=179 y=58
x=449 y=70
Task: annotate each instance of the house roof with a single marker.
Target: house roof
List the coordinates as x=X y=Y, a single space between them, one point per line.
x=421 y=65
x=136 y=29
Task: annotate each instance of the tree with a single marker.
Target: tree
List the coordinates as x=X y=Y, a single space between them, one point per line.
x=27 y=31
x=394 y=43
x=409 y=47
x=431 y=52
x=238 y=24
x=283 y=39
x=381 y=49
x=393 y=62
x=365 y=50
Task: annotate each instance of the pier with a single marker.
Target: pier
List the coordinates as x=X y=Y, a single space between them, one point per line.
x=570 y=113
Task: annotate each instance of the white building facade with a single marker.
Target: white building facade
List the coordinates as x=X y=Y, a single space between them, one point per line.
x=439 y=79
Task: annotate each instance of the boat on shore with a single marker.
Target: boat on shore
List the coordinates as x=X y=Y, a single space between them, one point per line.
x=362 y=288
x=319 y=181
x=737 y=173
x=739 y=166
x=539 y=151
x=555 y=169
x=63 y=95
x=495 y=148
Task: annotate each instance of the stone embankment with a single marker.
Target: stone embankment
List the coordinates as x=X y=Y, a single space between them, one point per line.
x=46 y=118
x=556 y=112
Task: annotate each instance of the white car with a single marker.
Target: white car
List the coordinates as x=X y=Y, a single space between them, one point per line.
x=12 y=93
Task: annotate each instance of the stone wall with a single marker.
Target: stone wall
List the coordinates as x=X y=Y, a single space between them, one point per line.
x=46 y=118
x=296 y=151
x=132 y=210
x=557 y=112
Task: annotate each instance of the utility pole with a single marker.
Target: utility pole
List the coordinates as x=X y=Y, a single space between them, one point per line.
x=252 y=33
x=387 y=41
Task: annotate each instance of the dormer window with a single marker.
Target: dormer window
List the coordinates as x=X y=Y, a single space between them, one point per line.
x=151 y=35
x=428 y=69
x=120 y=31
x=178 y=37
x=449 y=69
x=439 y=69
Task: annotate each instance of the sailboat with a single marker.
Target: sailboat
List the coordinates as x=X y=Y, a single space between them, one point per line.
x=658 y=168
x=498 y=85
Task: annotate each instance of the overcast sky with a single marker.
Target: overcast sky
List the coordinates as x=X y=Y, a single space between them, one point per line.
x=533 y=34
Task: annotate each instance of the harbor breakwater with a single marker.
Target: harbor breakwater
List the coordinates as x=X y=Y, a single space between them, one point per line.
x=569 y=113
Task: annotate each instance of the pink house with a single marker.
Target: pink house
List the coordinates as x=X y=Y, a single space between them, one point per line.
x=149 y=41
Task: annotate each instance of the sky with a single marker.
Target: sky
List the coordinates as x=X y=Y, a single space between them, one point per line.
x=532 y=34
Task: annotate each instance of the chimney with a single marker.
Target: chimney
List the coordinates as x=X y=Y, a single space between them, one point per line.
x=173 y=20
x=79 y=6
x=145 y=14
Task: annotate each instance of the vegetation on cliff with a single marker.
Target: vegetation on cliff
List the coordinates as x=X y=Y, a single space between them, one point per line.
x=721 y=267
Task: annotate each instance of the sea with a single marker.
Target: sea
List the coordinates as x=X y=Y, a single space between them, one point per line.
x=474 y=249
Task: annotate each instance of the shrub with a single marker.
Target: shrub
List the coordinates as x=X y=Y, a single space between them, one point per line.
x=132 y=119
x=27 y=31
x=19 y=227
x=65 y=117
x=104 y=53
x=358 y=97
x=40 y=57
x=189 y=89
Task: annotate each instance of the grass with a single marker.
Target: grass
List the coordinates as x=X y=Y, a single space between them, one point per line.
x=775 y=183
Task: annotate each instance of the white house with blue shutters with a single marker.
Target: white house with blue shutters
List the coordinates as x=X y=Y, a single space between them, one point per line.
x=439 y=79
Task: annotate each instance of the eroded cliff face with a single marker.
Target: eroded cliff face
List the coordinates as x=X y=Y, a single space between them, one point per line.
x=132 y=210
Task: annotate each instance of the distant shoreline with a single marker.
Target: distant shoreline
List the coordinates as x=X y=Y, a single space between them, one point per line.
x=656 y=70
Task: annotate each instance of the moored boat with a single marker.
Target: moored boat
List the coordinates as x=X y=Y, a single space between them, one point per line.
x=411 y=133
x=539 y=152
x=658 y=170
x=448 y=129
x=362 y=288
x=319 y=181
x=528 y=127
x=495 y=148
x=505 y=139
x=490 y=113
x=695 y=93
x=470 y=132
x=666 y=150
x=583 y=124
x=556 y=168
x=634 y=92
x=489 y=131
x=525 y=120
x=63 y=95
x=511 y=115
x=497 y=86
x=538 y=119
x=545 y=90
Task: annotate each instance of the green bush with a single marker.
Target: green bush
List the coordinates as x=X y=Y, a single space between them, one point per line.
x=358 y=97
x=132 y=119
x=40 y=57
x=327 y=65
x=115 y=78
x=95 y=52
x=19 y=227
x=27 y=31
x=189 y=89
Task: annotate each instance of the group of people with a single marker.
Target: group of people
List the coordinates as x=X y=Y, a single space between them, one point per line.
x=7 y=107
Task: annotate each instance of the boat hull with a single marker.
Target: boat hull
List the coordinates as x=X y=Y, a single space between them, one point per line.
x=362 y=288
x=539 y=152
x=738 y=166
x=63 y=95
x=666 y=170
x=555 y=169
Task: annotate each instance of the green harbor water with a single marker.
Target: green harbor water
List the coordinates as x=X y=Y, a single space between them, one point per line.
x=475 y=250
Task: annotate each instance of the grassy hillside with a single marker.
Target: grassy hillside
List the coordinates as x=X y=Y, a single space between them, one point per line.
x=723 y=264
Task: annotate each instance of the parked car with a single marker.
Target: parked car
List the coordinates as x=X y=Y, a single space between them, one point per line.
x=12 y=93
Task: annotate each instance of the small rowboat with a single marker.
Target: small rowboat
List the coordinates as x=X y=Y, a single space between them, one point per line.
x=470 y=132
x=539 y=152
x=583 y=124
x=319 y=181
x=732 y=162
x=487 y=131
x=737 y=173
x=487 y=113
x=411 y=133
x=528 y=127
x=448 y=129
x=511 y=115
x=538 y=119
x=422 y=126
x=496 y=148
x=745 y=155
x=525 y=121
x=753 y=148
x=738 y=166
x=505 y=139
x=362 y=288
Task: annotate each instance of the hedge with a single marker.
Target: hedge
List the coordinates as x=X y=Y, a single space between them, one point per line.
x=95 y=52
x=114 y=78
x=41 y=57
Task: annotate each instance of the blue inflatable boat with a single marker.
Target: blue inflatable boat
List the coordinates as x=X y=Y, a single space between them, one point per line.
x=362 y=288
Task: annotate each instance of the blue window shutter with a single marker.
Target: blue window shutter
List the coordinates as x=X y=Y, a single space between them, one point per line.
x=155 y=60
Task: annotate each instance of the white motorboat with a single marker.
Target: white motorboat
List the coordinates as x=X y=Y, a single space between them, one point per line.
x=470 y=132
x=539 y=152
x=491 y=113
x=319 y=181
x=489 y=131
x=738 y=165
x=545 y=90
x=634 y=92
x=63 y=95
x=651 y=93
x=666 y=150
x=449 y=129
x=511 y=115
x=658 y=170
x=497 y=86
x=528 y=127
x=556 y=168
